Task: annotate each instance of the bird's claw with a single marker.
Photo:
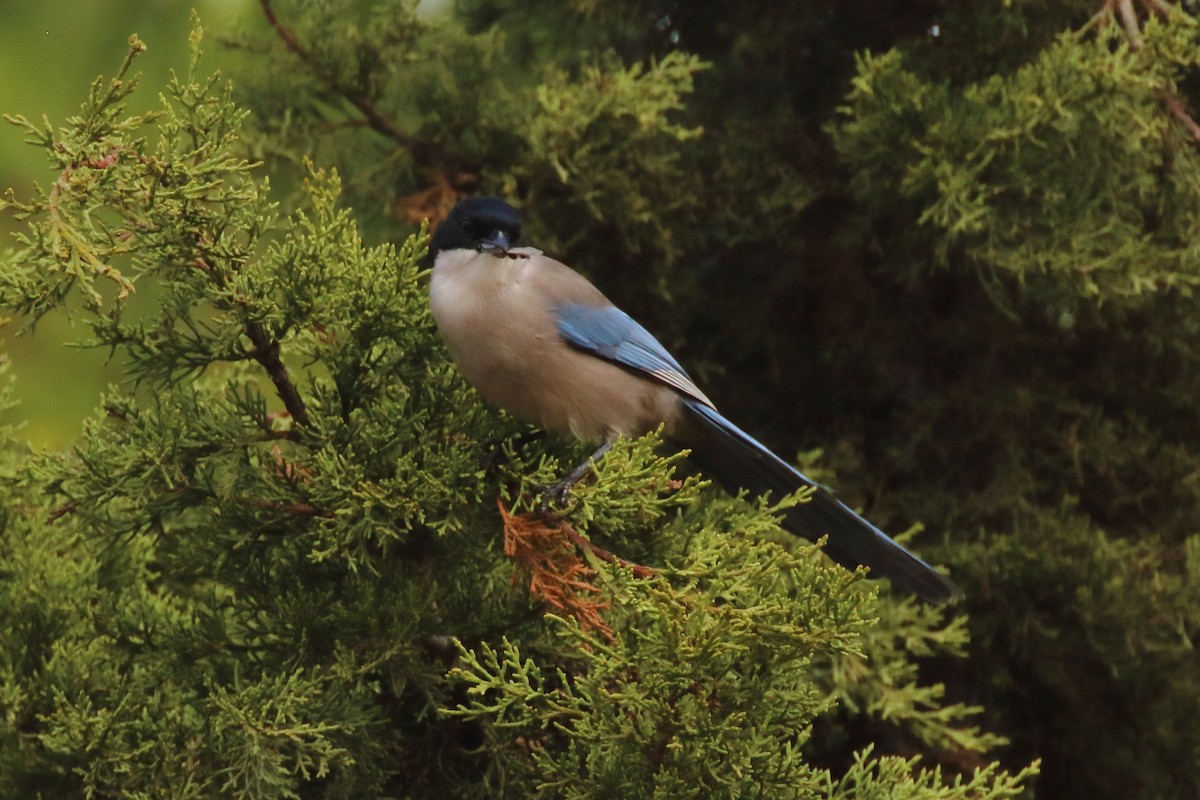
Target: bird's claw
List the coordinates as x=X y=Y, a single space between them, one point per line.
x=554 y=497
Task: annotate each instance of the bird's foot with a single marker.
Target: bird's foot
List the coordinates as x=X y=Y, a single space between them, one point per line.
x=561 y=491
x=555 y=496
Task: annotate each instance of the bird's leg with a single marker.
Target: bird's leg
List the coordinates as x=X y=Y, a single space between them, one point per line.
x=558 y=493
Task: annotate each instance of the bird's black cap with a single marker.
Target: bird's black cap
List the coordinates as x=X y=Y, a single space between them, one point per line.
x=474 y=223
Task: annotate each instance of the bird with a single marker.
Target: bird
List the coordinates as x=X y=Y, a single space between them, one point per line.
x=537 y=339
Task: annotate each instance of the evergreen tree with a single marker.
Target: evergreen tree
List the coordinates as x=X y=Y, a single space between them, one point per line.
x=293 y=555
x=951 y=244
x=273 y=566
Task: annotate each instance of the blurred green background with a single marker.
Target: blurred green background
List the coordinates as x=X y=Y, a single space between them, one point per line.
x=50 y=52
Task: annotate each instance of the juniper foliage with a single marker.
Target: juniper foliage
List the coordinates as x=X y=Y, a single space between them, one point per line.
x=950 y=244
x=273 y=564
x=973 y=224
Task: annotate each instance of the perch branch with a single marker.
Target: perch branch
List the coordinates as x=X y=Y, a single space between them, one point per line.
x=606 y=556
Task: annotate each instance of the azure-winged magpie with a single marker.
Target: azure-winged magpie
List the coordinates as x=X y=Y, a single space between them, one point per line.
x=534 y=337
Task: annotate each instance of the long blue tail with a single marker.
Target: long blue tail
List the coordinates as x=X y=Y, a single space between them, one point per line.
x=737 y=461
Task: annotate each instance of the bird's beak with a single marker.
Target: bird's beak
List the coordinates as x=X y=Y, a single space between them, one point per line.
x=495 y=243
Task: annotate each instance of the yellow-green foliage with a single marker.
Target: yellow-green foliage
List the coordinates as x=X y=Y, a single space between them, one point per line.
x=1061 y=172
x=945 y=252
x=271 y=566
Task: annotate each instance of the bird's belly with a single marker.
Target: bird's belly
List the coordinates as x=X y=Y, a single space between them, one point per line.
x=565 y=391
x=504 y=339
x=541 y=380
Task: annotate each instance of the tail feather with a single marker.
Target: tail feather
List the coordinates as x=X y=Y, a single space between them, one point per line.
x=738 y=461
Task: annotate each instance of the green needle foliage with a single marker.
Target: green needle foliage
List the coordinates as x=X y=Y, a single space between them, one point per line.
x=991 y=170
x=943 y=251
x=951 y=245
x=273 y=564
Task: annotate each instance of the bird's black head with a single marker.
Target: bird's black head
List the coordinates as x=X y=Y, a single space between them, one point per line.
x=481 y=224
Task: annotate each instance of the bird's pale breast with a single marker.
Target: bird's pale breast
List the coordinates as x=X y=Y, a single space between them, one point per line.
x=496 y=315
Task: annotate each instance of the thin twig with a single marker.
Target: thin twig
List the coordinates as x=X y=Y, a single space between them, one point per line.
x=1130 y=21
x=1124 y=9
x=1178 y=110
x=62 y=511
x=294 y=509
x=607 y=556
x=1162 y=9
x=266 y=353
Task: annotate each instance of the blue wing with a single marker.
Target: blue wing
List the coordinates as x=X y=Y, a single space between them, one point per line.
x=739 y=461
x=608 y=332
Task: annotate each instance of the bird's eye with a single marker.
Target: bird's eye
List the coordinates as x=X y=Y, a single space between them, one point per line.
x=516 y=235
x=468 y=227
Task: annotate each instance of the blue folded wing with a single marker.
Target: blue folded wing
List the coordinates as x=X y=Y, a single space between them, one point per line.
x=608 y=332
x=738 y=461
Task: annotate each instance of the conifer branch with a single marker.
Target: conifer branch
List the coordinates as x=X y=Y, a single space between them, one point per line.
x=1178 y=110
x=292 y=509
x=1128 y=16
x=1130 y=21
x=266 y=353
x=1124 y=10
x=557 y=574
x=78 y=247
x=421 y=151
x=62 y=511
x=606 y=556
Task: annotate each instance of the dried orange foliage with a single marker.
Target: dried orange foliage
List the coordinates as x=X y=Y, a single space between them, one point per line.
x=435 y=202
x=557 y=573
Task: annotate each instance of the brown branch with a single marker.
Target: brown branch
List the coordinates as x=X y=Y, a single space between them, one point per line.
x=421 y=150
x=270 y=434
x=294 y=509
x=62 y=511
x=266 y=353
x=1158 y=7
x=1124 y=9
x=274 y=435
x=1130 y=21
x=1178 y=110
x=606 y=556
